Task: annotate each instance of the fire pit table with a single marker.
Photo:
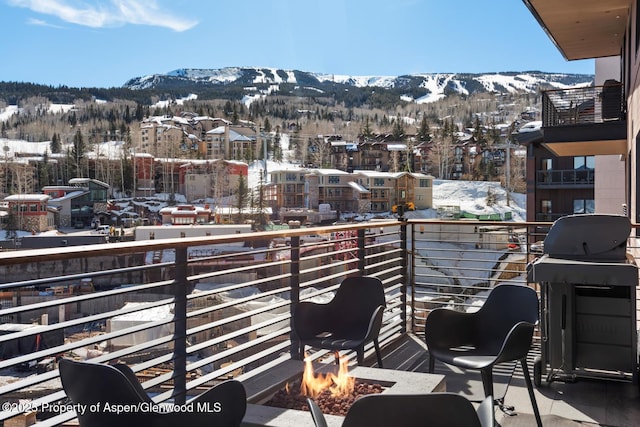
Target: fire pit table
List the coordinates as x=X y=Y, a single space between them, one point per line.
x=262 y=387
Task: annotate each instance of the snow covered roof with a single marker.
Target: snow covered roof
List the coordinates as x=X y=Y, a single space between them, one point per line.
x=87 y=181
x=27 y=198
x=71 y=195
x=359 y=188
x=373 y=174
x=329 y=172
x=217 y=131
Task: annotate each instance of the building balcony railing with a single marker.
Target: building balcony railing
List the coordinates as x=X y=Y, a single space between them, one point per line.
x=594 y=104
x=187 y=313
x=565 y=177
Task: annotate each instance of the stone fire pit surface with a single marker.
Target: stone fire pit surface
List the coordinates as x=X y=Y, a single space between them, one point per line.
x=261 y=388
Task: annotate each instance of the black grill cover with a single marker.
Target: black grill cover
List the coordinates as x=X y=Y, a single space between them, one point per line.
x=589 y=237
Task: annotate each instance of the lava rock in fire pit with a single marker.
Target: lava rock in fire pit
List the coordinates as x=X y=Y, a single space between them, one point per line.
x=332 y=405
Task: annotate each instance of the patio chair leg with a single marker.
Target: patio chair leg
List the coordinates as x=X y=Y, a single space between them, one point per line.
x=336 y=357
x=487 y=383
x=378 y=354
x=432 y=363
x=301 y=351
x=360 y=353
x=527 y=379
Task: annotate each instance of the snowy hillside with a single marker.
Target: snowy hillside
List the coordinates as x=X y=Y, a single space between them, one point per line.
x=419 y=88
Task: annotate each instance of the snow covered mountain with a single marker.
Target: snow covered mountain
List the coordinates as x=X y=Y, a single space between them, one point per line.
x=427 y=87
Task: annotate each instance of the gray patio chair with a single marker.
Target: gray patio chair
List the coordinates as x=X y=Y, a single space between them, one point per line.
x=96 y=385
x=406 y=410
x=349 y=321
x=500 y=331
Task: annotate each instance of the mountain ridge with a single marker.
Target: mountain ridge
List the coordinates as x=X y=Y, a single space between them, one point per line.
x=416 y=87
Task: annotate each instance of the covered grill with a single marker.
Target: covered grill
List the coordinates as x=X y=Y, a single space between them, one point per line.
x=588 y=299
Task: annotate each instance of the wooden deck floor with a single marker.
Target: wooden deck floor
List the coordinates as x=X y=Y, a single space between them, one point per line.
x=582 y=403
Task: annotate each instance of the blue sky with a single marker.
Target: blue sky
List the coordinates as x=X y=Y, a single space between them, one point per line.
x=91 y=43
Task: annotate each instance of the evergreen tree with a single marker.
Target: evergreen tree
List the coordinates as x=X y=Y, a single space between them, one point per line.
x=241 y=196
x=55 y=146
x=44 y=177
x=398 y=130
x=228 y=109
x=277 y=149
x=424 y=131
x=366 y=129
x=78 y=150
x=235 y=114
x=478 y=133
x=262 y=220
x=11 y=226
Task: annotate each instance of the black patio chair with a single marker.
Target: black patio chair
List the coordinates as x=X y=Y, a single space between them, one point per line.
x=100 y=387
x=405 y=410
x=349 y=321
x=500 y=331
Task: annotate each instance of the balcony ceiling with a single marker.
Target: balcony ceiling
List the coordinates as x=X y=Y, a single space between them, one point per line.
x=588 y=148
x=583 y=29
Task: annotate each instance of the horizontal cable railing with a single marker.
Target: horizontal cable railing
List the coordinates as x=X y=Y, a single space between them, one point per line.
x=456 y=263
x=183 y=313
x=188 y=313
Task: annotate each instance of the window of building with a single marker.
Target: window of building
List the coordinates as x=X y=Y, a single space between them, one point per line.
x=545 y=206
x=546 y=164
x=584 y=206
x=334 y=179
x=584 y=162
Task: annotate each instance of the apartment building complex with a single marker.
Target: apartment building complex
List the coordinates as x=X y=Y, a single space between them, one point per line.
x=359 y=191
x=200 y=137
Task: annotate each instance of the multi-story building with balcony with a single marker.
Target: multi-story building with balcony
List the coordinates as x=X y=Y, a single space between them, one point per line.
x=191 y=136
x=591 y=129
x=361 y=191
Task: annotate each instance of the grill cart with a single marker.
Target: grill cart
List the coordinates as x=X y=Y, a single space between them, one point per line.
x=588 y=300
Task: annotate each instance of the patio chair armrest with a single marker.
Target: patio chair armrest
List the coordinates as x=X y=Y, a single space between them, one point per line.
x=517 y=342
x=374 y=324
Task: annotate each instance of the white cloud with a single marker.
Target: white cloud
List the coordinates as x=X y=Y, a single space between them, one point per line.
x=114 y=13
x=41 y=23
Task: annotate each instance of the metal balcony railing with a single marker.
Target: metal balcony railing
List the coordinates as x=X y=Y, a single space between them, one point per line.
x=565 y=177
x=187 y=313
x=594 y=104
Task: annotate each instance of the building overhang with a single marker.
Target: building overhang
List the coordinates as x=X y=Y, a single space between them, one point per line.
x=583 y=29
x=596 y=139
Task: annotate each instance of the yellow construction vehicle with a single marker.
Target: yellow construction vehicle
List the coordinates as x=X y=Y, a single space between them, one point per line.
x=409 y=206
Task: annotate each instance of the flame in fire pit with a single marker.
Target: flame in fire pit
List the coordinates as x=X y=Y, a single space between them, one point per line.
x=339 y=385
